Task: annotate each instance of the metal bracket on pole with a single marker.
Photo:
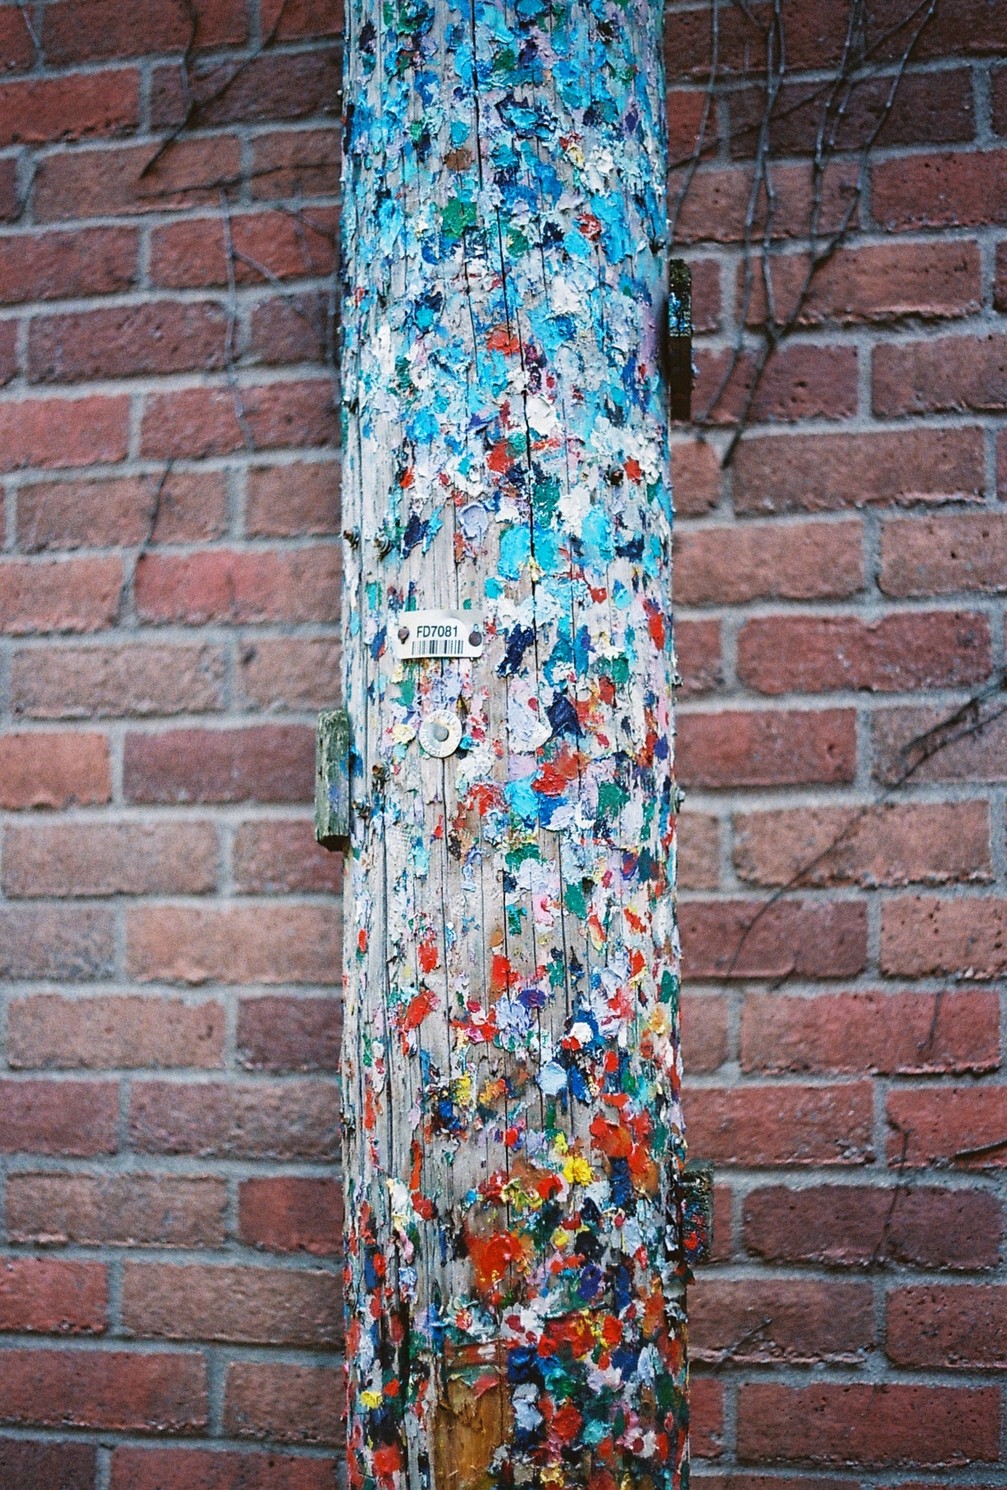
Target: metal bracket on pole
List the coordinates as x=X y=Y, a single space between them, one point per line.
x=332 y=780
x=679 y=340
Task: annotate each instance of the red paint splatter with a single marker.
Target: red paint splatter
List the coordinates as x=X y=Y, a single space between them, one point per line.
x=491 y=1257
x=423 y=1004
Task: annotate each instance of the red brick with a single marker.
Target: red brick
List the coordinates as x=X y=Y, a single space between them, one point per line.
x=241 y=587
x=8 y=352
x=877 y=1424
x=16 y=46
x=39 y=1294
x=65 y=265
x=70 y=107
x=815 y=33
x=48 y=1031
x=84 y=30
x=157 y=337
x=204 y=421
x=951 y=373
x=770 y=1125
x=181 y=507
x=290 y=1034
x=967 y=750
x=81 y=595
x=850 y=1225
x=964 y=1324
x=26 y=1461
x=206 y=1469
x=706 y=1417
x=922 y=936
x=104 y=1389
x=723 y=1224
x=716 y=205
x=736 y=562
x=249 y=1120
x=245 y=1305
x=286 y=1403
x=56 y=941
x=825 y=473
x=742 y=1481
x=938 y=1124
x=59 y=1117
x=241 y=944
x=956 y=189
x=11 y=205
x=698 y=851
x=884 y=282
x=800 y=382
x=766 y=748
x=704 y=1032
x=927 y=109
x=292 y=328
x=998 y=92
x=113 y=182
x=697 y=648
x=756 y=939
x=79 y=682
x=296 y=163
x=685 y=108
x=269 y=87
x=124 y=1210
x=1000 y=278
x=74 y=859
x=193 y=253
x=964 y=28
x=281 y=857
x=264 y=763
x=292 y=672
x=905 y=1034
x=811 y=654
x=779 y=1320
x=301 y=18
x=944 y=555
x=291 y=1215
x=895 y=844
x=289 y=501
x=695 y=476
x=42 y=770
x=53 y=432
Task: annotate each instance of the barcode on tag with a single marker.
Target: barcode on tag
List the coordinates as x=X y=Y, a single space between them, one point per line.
x=450 y=647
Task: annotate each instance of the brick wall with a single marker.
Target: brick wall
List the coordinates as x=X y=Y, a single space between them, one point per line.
x=168 y=592
x=839 y=593
x=168 y=932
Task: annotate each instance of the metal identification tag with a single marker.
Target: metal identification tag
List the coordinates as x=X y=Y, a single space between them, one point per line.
x=437 y=633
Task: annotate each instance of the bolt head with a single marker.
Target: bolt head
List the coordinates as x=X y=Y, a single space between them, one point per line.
x=475 y=638
x=403 y=633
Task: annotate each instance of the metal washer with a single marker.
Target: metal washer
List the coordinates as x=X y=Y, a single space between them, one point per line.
x=441 y=733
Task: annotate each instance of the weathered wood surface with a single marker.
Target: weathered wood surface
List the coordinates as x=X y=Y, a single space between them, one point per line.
x=511 y=1072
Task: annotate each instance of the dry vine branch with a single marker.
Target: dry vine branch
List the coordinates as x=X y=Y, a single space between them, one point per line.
x=195 y=110
x=857 y=66
x=923 y=748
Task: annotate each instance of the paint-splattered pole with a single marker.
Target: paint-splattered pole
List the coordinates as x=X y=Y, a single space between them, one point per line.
x=511 y=1069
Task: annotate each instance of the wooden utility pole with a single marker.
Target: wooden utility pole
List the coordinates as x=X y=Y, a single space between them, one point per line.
x=513 y=1135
